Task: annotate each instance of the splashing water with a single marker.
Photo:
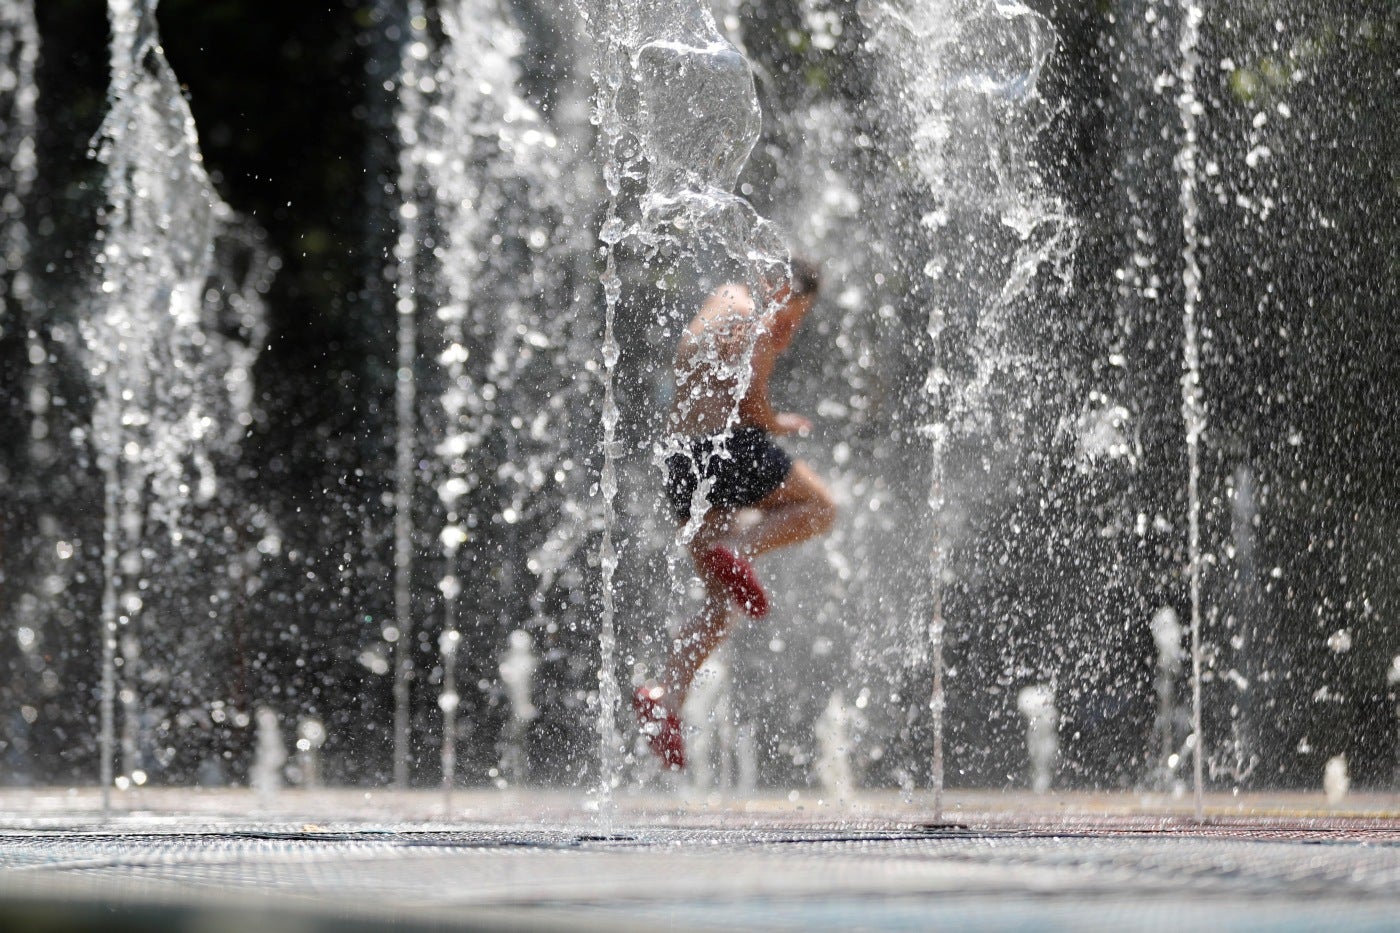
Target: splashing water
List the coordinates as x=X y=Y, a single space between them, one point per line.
x=680 y=111
x=960 y=81
x=412 y=75
x=676 y=108
x=944 y=375
x=170 y=392
x=19 y=95
x=1193 y=410
x=1037 y=705
x=486 y=193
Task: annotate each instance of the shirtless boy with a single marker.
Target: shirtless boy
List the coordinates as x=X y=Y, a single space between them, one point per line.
x=758 y=498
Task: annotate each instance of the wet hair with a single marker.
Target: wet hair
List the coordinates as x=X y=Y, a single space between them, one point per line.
x=806 y=276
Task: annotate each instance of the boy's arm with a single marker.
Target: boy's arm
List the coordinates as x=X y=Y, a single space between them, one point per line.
x=755 y=409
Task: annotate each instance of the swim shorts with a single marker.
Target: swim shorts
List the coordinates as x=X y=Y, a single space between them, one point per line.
x=753 y=467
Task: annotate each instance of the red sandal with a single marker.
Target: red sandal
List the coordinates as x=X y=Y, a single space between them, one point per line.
x=738 y=576
x=661 y=726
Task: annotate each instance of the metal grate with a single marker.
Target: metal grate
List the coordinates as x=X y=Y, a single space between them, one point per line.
x=1081 y=872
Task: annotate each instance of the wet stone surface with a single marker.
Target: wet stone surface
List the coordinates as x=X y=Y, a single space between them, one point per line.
x=719 y=867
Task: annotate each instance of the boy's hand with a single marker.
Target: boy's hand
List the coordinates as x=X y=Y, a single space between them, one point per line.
x=788 y=423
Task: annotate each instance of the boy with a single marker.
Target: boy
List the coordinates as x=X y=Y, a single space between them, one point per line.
x=730 y=342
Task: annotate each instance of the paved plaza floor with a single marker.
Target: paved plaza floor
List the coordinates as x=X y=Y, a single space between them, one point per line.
x=368 y=860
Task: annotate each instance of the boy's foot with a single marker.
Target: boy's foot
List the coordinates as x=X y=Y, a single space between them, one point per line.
x=660 y=725
x=738 y=576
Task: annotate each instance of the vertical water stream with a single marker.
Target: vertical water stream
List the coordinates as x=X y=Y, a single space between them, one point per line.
x=19 y=54
x=172 y=389
x=960 y=86
x=1193 y=412
x=609 y=694
x=19 y=95
x=492 y=201
x=409 y=120
x=675 y=106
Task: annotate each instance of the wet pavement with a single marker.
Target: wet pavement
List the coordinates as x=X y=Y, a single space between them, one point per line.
x=350 y=860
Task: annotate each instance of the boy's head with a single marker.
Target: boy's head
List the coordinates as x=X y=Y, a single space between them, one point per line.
x=806 y=278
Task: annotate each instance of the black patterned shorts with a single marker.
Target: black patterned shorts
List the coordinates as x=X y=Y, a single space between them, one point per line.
x=754 y=468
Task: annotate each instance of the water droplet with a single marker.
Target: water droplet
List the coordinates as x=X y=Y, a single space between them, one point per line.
x=612 y=231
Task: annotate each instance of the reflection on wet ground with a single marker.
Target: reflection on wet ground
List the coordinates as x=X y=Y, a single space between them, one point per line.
x=354 y=859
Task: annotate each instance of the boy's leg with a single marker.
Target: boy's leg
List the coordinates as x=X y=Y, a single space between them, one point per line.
x=696 y=640
x=801 y=508
x=658 y=706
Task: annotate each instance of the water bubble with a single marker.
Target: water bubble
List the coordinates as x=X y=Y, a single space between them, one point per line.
x=612 y=230
x=612 y=288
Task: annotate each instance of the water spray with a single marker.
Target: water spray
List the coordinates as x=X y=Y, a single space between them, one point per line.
x=1193 y=411
x=409 y=119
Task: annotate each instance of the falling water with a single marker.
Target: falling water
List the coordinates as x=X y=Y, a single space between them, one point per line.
x=19 y=94
x=609 y=698
x=409 y=120
x=448 y=702
x=19 y=53
x=1192 y=405
x=960 y=80
x=675 y=106
x=168 y=394
x=1166 y=636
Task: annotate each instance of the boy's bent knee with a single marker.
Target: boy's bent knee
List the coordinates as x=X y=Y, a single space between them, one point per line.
x=825 y=513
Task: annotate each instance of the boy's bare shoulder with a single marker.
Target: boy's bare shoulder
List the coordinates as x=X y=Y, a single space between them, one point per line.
x=724 y=325
x=728 y=306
